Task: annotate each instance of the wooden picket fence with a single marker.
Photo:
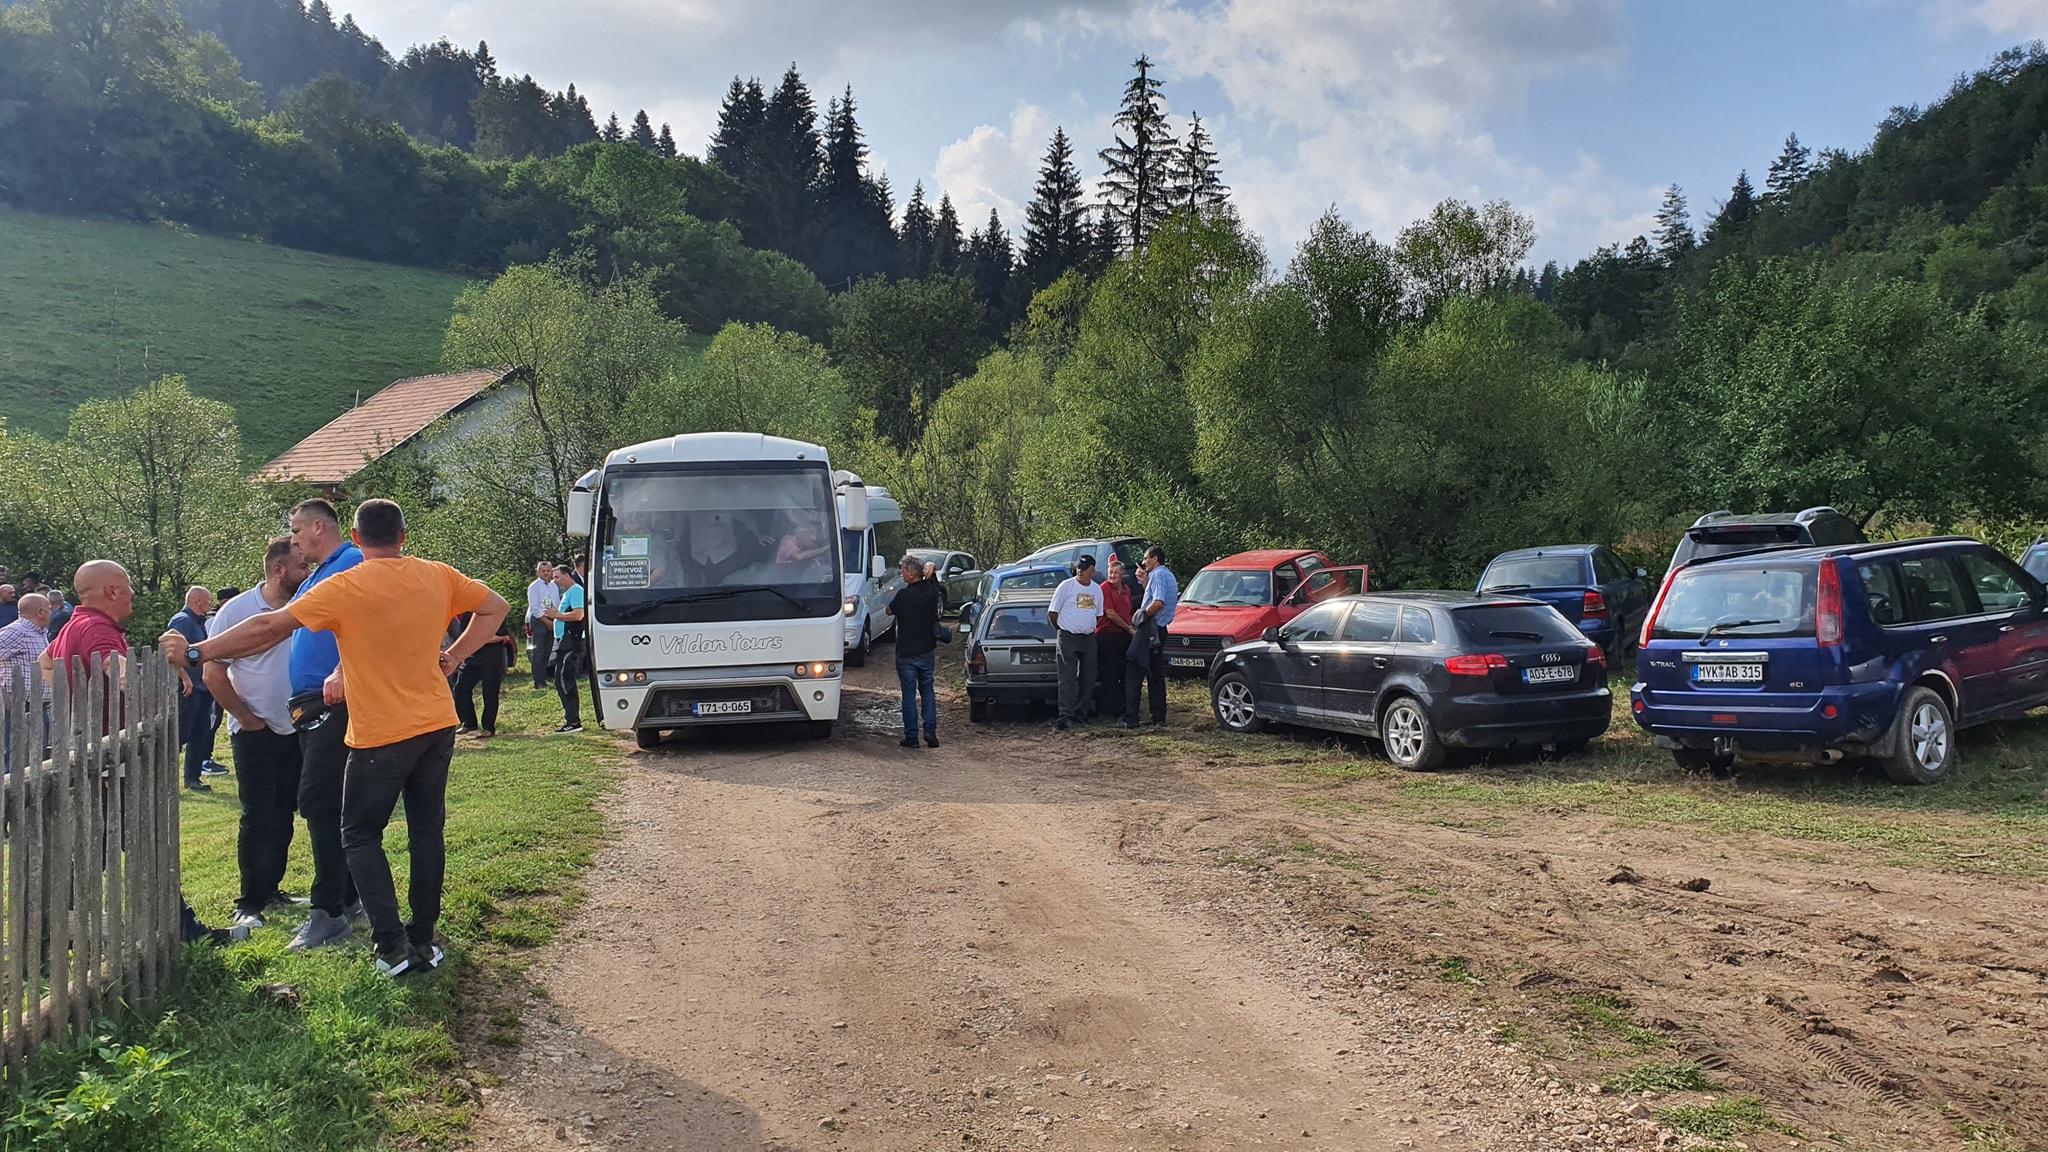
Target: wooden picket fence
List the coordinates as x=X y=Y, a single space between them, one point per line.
x=89 y=888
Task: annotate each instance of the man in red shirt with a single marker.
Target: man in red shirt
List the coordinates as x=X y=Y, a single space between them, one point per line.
x=106 y=598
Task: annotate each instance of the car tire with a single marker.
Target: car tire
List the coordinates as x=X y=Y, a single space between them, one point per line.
x=942 y=602
x=858 y=657
x=1923 y=749
x=1408 y=738
x=1563 y=748
x=980 y=709
x=647 y=738
x=1235 y=707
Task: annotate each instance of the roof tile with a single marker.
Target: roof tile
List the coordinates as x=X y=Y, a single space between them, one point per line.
x=353 y=440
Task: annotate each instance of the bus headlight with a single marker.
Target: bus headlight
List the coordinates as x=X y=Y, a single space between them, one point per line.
x=817 y=670
x=852 y=605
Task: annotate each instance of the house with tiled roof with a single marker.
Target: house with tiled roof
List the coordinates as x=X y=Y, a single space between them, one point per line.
x=412 y=415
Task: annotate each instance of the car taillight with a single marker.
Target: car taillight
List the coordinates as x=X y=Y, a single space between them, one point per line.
x=977 y=660
x=1467 y=665
x=1596 y=655
x=1657 y=609
x=1596 y=606
x=1827 y=612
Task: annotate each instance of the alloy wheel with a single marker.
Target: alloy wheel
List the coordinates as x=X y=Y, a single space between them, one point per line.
x=1234 y=703
x=1930 y=737
x=1403 y=733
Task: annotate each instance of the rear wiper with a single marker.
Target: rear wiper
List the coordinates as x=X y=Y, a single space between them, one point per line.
x=635 y=611
x=1510 y=634
x=1709 y=633
x=1506 y=587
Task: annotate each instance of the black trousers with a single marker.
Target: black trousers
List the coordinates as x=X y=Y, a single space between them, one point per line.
x=480 y=671
x=415 y=770
x=1076 y=653
x=1111 y=647
x=543 y=649
x=322 y=760
x=1145 y=667
x=195 y=730
x=267 y=777
x=569 y=683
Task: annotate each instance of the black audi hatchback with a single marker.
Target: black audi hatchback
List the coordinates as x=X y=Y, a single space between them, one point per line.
x=1422 y=672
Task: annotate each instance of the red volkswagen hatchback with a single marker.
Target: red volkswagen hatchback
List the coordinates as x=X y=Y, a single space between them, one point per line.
x=1238 y=597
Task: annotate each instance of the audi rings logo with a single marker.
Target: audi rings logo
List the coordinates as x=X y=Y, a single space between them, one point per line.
x=642 y=639
x=1551 y=657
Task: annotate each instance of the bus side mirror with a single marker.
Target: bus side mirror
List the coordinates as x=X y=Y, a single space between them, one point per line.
x=853 y=509
x=878 y=567
x=582 y=511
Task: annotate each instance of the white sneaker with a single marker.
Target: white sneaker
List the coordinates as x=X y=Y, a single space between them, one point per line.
x=245 y=923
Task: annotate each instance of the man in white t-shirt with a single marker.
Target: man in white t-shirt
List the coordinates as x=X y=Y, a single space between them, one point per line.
x=1075 y=610
x=542 y=597
x=255 y=692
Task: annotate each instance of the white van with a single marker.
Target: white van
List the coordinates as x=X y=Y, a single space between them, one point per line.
x=869 y=557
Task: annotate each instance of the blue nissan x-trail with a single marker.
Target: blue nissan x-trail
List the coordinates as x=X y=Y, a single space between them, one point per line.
x=1815 y=654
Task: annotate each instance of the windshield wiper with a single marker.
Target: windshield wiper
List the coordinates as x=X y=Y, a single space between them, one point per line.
x=1709 y=633
x=1506 y=587
x=635 y=611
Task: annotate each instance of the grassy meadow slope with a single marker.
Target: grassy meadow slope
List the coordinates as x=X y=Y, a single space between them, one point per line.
x=92 y=308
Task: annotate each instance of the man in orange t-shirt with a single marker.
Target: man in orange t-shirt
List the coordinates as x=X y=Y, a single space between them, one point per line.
x=388 y=615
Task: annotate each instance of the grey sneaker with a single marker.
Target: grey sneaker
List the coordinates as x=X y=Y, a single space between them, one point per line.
x=245 y=923
x=354 y=911
x=319 y=931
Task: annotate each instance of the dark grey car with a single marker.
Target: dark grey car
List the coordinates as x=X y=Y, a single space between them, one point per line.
x=1010 y=654
x=958 y=575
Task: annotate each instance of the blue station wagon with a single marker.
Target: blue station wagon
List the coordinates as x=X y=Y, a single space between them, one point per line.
x=1816 y=654
x=1587 y=584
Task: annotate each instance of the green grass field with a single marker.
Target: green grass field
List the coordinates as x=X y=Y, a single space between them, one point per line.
x=93 y=308
x=272 y=1050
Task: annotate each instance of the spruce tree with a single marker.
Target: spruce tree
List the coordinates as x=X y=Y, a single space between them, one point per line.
x=612 y=132
x=855 y=240
x=667 y=143
x=1056 y=235
x=739 y=123
x=487 y=65
x=1135 y=183
x=1196 y=186
x=1791 y=166
x=1105 y=244
x=1738 y=211
x=919 y=235
x=1674 y=226
x=783 y=167
x=946 y=238
x=643 y=131
x=989 y=263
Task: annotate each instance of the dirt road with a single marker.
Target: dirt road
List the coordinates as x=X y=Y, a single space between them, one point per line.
x=1026 y=940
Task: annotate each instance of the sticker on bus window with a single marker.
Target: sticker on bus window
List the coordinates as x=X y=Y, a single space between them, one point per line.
x=633 y=545
x=626 y=572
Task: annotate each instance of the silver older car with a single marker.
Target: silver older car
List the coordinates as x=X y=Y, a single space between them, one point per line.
x=958 y=574
x=1010 y=654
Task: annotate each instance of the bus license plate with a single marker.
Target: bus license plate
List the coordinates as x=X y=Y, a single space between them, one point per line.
x=1554 y=674
x=721 y=707
x=1731 y=674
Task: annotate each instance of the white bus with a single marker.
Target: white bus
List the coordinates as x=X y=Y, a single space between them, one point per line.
x=870 y=558
x=716 y=591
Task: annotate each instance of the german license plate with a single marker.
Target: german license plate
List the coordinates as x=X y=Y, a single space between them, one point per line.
x=721 y=707
x=1189 y=661
x=1034 y=657
x=1730 y=673
x=1550 y=674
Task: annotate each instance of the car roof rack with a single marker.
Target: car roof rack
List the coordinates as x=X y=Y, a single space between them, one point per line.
x=1806 y=514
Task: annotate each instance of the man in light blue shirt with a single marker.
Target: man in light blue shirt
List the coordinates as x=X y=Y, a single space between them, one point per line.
x=1147 y=658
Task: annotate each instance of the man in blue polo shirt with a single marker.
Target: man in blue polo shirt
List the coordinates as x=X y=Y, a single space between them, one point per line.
x=317 y=537
x=1147 y=658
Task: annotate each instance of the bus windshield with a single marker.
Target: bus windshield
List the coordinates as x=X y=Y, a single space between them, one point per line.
x=694 y=546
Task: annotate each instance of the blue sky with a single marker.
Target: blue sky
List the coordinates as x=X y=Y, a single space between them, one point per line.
x=1578 y=112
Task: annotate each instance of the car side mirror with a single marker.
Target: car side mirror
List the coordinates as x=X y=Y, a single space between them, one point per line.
x=1272 y=636
x=878 y=568
x=968 y=612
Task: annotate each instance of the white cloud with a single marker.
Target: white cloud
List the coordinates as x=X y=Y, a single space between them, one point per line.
x=2020 y=19
x=1385 y=103
x=995 y=167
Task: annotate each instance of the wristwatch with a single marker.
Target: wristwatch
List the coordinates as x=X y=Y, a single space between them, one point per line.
x=192 y=657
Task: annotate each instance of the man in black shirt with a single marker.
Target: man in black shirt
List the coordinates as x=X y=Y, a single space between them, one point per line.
x=916 y=609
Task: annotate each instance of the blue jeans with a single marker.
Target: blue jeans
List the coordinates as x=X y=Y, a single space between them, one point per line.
x=914 y=676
